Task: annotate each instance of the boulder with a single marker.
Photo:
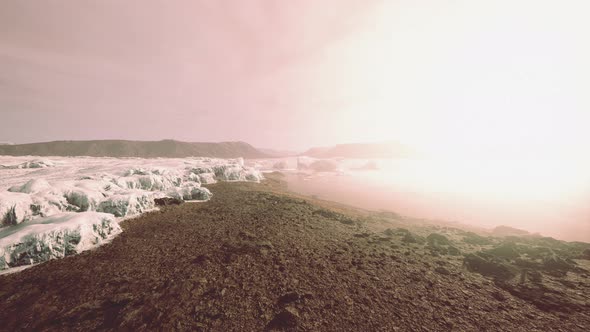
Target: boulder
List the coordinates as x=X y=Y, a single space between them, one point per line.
x=287 y=318
x=489 y=266
x=506 y=250
x=436 y=239
x=556 y=263
x=413 y=238
x=475 y=239
x=167 y=201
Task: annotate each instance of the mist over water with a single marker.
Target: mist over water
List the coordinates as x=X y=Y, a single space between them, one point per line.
x=544 y=196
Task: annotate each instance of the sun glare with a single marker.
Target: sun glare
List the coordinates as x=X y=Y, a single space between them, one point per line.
x=452 y=82
x=492 y=96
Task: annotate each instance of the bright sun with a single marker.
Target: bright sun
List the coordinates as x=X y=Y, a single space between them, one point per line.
x=497 y=100
x=467 y=79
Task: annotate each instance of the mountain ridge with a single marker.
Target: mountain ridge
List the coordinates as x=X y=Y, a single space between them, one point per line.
x=130 y=148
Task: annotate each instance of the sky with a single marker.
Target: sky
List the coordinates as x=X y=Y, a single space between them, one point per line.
x=450 y=77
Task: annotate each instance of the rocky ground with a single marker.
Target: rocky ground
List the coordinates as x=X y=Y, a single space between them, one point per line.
x=256 y=258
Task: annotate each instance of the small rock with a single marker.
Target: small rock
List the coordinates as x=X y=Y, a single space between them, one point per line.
x=288 y=317
x=201 y=259
x=247 y=235
x=122 y=298
x=288 y=298
x=412 y=238
x=453 y=251
x=389 y=232
x=265 y=244
x=498 y=296
x=167 y=201
x=435 y=239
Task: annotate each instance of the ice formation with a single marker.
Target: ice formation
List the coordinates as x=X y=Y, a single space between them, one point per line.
x=55 y=237
x=317 y=165
x=39 y=163
x=31 y=187
x=15 y=208
x=54 y=208
x=190 y=191
x=128 y=203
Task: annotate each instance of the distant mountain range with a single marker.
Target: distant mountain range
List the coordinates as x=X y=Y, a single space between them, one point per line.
x=178 y=149
x=141 y=149
x=278 y=153
x=361 y=150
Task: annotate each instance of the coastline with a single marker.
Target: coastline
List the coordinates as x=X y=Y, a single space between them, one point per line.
x=258 y=257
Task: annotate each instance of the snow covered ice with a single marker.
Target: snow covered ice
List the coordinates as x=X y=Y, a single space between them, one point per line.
x=55 y=237
x=37 y=163
x=58 y=206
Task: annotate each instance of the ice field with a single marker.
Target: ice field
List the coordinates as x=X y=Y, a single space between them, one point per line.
x=55 y=207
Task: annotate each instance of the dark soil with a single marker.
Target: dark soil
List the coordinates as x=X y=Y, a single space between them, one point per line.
x=255 y=258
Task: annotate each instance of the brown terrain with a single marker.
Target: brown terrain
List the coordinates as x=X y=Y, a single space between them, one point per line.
x=257 y=258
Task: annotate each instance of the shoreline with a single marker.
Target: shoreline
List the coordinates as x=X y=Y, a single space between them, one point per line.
x=257 y=257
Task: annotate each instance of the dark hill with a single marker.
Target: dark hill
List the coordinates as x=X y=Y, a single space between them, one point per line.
x=142 y=149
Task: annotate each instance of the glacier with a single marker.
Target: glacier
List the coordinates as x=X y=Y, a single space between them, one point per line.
x=60 y=206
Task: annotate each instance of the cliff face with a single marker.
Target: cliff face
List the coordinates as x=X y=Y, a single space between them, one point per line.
x=141 y=149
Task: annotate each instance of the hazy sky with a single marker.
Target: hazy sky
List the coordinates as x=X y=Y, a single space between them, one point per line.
x=508 y=75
